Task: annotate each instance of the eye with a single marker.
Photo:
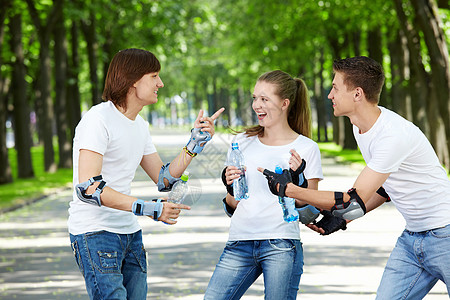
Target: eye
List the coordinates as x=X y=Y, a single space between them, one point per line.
x=264 y=99
x=253 y=98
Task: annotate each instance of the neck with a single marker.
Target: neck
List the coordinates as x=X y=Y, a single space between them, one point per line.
x=132 y=110
x=278 y=134
x=365 y=116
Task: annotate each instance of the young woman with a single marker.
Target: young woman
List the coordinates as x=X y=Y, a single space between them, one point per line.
x=260 y=241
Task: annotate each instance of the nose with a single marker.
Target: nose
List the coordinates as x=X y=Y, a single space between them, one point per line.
x=160 y=84
x=330 y=96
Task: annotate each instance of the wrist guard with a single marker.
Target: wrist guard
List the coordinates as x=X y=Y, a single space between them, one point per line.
x=147 y=208
x=229 y=187
x=198 y=140
x=274 y=179
x=298 y=178
x=307 y=213
x=95 y=197
x=353 y=209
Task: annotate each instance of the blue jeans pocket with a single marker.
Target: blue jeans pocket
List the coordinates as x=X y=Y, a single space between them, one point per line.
x=108 y=260
x=231 y=244
x=443 y=232
x=282 y=244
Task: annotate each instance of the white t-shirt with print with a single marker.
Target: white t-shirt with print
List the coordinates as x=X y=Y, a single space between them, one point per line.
x=418 y=185
x=260 y=216
x=123 y=143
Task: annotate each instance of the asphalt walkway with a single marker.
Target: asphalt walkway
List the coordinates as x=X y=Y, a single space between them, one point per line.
x=36 y=261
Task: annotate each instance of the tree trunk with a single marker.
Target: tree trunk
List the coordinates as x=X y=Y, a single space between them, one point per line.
x=22 y=132
x=62 y=122
x=88 y=28
x=375 y=47
x=401 y=99
x=429 y=22
x=5 y=168
x=73 y=90
x=45 y=112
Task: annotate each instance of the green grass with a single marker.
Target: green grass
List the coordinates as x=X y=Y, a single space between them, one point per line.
x=21 y=191
x=342 y=155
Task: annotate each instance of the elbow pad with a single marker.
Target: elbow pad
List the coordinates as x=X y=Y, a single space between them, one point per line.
x=95 y=197
x=229 y=211
x=350 y=210
x=383 y=194
x=165 y=174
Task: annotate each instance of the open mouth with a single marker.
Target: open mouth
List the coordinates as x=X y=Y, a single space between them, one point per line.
x=261 y=115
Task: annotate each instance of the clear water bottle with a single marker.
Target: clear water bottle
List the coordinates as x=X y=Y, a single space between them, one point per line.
x=240 y=187
x=290 y=214
x=179 y=189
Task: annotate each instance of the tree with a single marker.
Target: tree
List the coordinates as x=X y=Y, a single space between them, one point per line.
x=44 y=99
x=21 y=110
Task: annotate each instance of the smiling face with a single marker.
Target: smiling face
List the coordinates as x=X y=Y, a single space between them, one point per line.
x=146 y=88
x=268 y=106
x=341 y=97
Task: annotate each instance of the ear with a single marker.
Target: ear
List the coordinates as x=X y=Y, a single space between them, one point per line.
x=359 y=94
x=285 y=104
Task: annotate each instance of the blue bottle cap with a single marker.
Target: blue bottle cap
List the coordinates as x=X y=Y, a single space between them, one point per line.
x=278 y=170
x=234 y=146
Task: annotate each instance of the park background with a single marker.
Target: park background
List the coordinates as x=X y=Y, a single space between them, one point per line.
x=53 y=61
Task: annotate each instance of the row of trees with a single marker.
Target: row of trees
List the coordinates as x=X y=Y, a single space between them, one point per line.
x=54 y=56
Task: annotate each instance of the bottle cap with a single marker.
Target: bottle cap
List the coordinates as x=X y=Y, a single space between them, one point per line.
x=234 y=146
x=185 y=176
x=278 y=170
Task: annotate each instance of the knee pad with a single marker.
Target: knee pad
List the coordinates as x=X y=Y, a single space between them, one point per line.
x=95 y=197
x=350 y=210
x=165 y=174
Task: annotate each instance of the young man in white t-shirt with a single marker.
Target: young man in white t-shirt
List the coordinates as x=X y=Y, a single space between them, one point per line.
x=402 y=165
x=110 y=142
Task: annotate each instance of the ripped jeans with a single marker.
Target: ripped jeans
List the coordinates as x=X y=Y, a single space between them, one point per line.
x=114 y=266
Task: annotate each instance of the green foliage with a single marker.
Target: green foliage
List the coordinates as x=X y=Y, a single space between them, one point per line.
x=24 y=190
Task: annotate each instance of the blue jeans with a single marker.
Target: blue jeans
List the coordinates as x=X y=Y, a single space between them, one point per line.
x=417 y=262
x=114 y=266
x=280 y=261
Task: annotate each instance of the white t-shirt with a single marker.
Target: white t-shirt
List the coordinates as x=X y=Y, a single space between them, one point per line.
x=260 y=217
x=418 y=185
x=123 y=143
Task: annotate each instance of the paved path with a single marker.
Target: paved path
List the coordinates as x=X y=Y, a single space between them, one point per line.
x=36 y=261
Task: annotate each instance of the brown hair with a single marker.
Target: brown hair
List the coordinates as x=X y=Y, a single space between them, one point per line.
x=125 y=69
x=299 y=110
x=363 y=72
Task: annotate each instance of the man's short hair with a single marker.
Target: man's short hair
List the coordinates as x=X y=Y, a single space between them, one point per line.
x=363 y=72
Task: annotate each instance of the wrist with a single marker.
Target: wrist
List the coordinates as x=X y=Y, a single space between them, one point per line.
x=147 y=208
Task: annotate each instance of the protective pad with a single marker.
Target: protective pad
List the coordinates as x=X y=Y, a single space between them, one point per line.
x=307 y=213
x=198 y=140
x=147 y=208
x=228 y=209
x=350 y=210
x=165 y=174
x=95 y=197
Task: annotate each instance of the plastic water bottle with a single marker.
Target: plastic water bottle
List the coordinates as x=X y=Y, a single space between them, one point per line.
x=179 y=189
x=290 y=214
x=240 y=187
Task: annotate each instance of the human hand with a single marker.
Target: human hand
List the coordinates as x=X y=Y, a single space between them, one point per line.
x=295 y=161
x=277 y=182
x=232 y=173
x=207 y=123
x=328 y=224
x=171 y=212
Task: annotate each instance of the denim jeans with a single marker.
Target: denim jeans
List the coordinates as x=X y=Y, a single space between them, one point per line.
x=114 y=266
x=417 y=262
x=280 y=261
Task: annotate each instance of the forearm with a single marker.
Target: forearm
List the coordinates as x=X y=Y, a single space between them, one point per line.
x=180 y=163
x=320 y=199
